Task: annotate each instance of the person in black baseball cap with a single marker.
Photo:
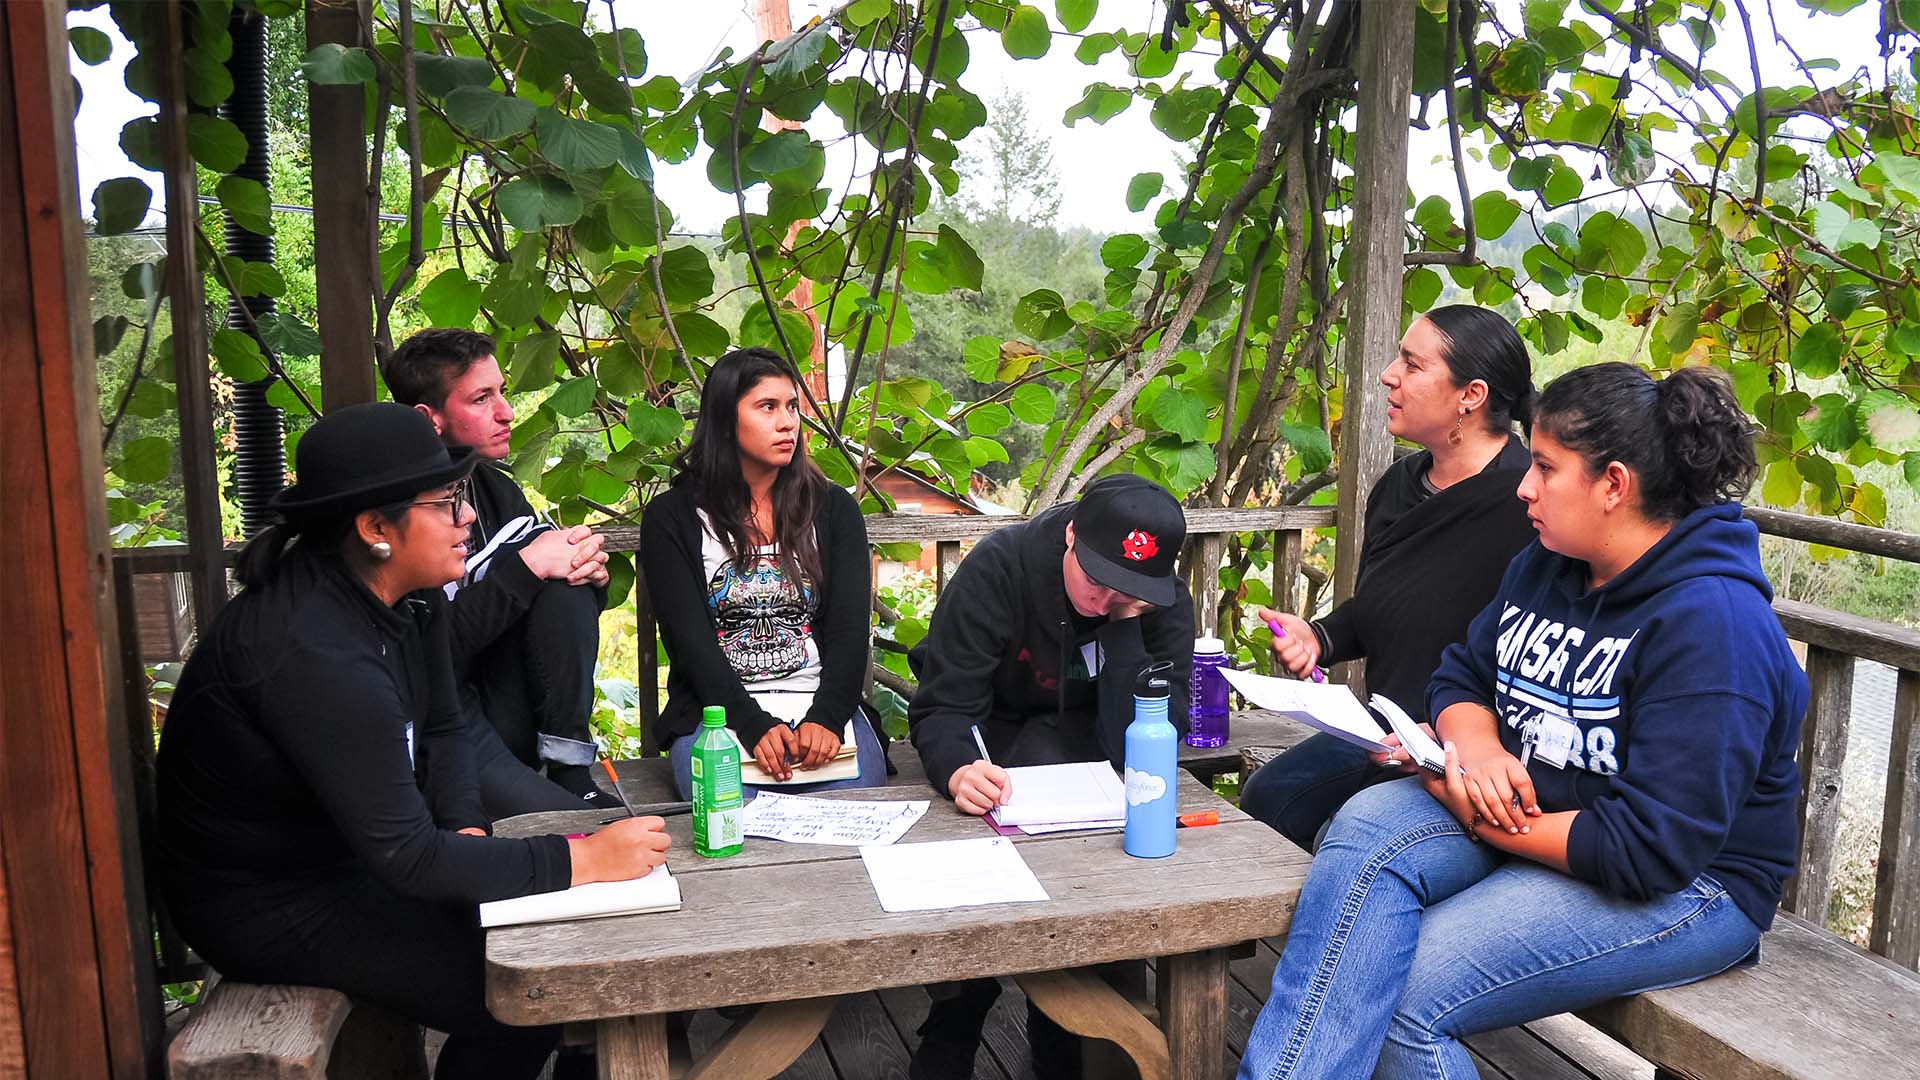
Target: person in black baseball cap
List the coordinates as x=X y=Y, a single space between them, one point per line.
x=1036 y=642
x=319 y=817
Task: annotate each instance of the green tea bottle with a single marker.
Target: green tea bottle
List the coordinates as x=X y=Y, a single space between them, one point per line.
x=717 y=813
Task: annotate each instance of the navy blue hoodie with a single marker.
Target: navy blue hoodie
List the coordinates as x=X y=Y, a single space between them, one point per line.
x=1688 y=700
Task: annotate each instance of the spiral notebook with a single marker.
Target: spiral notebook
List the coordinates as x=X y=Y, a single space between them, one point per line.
x=1082 y=792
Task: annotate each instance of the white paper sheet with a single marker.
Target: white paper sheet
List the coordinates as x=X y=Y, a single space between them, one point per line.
x=799 y=819
x=1330 y=707
x=1079 y=791
x=950 y=874
x=657 y=891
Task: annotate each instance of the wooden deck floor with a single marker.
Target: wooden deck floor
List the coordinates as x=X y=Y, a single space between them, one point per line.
x=871 y=1036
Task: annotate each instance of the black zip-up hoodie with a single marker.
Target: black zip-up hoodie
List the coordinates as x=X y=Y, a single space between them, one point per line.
x=996 y=654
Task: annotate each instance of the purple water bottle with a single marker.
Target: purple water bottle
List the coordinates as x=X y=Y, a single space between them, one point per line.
x=1207 y=715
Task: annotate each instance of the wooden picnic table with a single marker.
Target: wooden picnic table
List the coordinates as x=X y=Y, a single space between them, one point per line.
x=799 y=925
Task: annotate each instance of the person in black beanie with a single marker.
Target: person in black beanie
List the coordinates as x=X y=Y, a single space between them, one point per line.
x=1441 y=526
x=526 y=630
x=319 y=811
x=1037 y=640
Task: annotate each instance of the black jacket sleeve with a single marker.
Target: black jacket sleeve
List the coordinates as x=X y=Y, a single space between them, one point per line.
x=339 y=719
x=445 y=747
x=680 y=605
x=956 y=660
x=1128 y=646
x=843 y=626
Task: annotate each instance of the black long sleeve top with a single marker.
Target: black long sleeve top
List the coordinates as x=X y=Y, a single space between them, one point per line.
x=699 y=674
x=1430 y=562
x=284 y=766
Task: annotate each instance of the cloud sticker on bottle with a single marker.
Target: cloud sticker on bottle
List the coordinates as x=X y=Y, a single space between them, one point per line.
x=1143 y=787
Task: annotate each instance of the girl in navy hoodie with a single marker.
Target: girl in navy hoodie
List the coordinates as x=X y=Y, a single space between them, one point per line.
x=1619 y=806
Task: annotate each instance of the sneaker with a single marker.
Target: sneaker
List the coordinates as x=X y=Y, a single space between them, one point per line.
x=577 y=779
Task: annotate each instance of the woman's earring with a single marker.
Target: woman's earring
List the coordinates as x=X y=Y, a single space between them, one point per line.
x=380 y=550
x=1454 y=437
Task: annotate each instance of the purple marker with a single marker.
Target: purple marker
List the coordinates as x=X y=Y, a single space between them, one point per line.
x=1274 y=625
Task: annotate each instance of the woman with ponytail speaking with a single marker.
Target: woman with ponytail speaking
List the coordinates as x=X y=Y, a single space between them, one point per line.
x=1441 y=525
x=1618 y=810
x=319 y=811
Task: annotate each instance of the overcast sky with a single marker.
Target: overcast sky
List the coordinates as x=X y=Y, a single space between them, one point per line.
x=1094 y=162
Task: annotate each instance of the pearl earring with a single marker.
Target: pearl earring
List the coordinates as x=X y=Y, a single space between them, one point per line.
x=381 y=551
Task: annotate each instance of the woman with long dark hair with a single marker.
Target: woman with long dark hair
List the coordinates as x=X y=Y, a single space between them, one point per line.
x=1441 y=525
x=759 y=572
x=1618 y=810
x=319 y=811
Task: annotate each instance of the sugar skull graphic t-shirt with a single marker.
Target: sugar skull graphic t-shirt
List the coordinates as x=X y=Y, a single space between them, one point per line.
x=765 y=624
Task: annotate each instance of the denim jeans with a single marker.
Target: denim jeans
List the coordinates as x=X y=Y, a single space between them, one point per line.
x=1409 y=935
x=1297 y=793
x=871 y=756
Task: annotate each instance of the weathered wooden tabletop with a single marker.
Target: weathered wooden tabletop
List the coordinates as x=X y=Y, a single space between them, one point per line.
x=782 y=921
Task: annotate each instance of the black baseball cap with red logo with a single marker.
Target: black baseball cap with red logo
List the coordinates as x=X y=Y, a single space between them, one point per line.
x=1126 y=532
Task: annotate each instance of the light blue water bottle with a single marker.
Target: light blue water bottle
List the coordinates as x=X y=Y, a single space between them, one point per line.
x=1152 y=758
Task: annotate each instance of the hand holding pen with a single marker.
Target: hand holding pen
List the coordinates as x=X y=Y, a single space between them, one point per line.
x=1298 y=650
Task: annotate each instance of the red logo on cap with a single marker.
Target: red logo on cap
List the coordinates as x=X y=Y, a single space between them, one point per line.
x=1139 y=546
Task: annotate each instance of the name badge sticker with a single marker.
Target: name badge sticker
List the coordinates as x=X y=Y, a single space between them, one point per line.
x=1557 y=736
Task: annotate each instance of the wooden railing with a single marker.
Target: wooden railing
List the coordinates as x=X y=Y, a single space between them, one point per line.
x=1833 y=641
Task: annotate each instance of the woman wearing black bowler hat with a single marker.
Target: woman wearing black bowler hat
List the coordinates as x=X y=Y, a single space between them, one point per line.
x=319 y=814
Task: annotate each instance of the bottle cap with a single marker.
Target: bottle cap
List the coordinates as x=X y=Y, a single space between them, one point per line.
x=1209 y=646
x=713 y=716
x=1152 y=681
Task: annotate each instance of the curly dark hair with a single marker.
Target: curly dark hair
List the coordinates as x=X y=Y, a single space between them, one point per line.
x=1684 y=436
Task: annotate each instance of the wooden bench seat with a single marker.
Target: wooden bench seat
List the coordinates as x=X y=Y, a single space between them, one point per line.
x=1814 y=1007
x=245 y=1031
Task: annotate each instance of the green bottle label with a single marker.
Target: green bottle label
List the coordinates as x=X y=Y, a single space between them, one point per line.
x=718 y=815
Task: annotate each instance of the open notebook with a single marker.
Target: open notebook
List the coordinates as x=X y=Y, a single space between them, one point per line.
x=657 y=891
x=1081 y=791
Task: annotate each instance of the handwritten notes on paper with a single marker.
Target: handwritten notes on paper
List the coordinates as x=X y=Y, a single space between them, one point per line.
x=950 y=874
x=798 y=819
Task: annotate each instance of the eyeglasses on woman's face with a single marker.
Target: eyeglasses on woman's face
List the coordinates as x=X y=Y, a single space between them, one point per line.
x=455 y=502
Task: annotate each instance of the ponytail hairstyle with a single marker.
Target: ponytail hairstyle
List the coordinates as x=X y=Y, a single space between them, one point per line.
x=710 y=468
x=259 y=561
x=1685 y=436
x=1482 y=344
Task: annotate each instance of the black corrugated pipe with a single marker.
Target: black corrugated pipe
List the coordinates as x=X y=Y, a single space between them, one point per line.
x=260 y=463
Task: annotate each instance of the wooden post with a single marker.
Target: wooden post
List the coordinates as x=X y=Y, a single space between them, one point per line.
x=1288 y=552
x=186 y=303
x=79 y=996
x=343 y=282
x=647 y=645
x=1896 y=893
x=1385 y=76
x=947 y=559
x=1823 y=758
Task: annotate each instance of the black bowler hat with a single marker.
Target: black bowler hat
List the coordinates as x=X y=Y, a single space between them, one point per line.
x=1126 y=533
x=364 y=456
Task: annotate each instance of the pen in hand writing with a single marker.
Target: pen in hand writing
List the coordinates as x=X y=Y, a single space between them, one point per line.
x=1274 y=625
x=617 y=789
x=982 y=744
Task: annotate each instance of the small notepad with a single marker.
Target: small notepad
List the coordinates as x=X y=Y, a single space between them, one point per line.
x=950 y=874
x=657 y=891
x=1080 y=791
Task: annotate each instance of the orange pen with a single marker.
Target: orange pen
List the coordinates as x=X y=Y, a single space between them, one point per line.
x=1199 y=820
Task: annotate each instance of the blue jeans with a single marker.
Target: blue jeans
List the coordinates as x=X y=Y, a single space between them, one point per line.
x=1409 y=935
x=1297 y=793
x=871 y=756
